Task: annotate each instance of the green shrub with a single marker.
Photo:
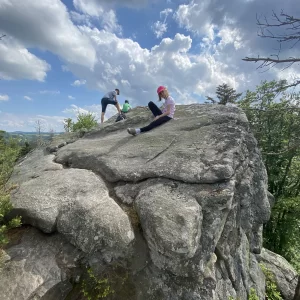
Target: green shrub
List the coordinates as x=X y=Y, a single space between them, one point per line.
x=253 y=295
x=5 y=208
x=113 y=283
x=272 y=292
x=9 y=153
x=85 y=121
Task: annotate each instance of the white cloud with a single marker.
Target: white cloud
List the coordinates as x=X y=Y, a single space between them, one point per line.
x=75 y=110
x=159 y=28
x=102 y=11
x=27 y=98
x=124 y=64
x=21 y=122
x=4 y=98
x=18 y=63
x=110 y=23
x=49 y=92
x=194 y=16
x=166 y=12
x=71 y=97
x=46 y=25
x=96 y=7
x=79 y=82
x=47 y=123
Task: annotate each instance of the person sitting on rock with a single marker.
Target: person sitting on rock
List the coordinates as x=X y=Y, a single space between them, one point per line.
x=126 y=107
x=110 y=98
x=161 y=117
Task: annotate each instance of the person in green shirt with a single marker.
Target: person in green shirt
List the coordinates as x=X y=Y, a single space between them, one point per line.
x=126 y=107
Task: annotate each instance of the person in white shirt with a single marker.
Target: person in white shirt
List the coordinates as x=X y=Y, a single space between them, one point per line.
x=161 y=117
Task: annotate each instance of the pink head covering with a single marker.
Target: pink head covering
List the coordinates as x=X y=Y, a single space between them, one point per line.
x=160 y=89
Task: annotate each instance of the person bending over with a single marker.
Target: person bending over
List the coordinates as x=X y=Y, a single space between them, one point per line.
x=110 y=98
x=161 y=117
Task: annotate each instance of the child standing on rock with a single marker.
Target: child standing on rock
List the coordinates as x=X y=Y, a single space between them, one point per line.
x=161 y=117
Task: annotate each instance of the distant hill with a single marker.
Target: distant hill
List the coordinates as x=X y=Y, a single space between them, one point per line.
x=30 y=136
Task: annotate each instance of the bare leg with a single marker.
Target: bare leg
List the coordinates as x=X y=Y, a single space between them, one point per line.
x=102 y=117
x=118 y=107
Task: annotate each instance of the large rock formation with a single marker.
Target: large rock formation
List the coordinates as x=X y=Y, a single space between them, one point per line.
x=181 y=207
x=285 y=277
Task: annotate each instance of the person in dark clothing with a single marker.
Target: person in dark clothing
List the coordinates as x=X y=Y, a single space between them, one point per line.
x=110 y=98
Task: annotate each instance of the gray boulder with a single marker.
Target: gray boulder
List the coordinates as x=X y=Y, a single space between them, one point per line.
x=75 y=203
x=286 y=277
x=37 y=266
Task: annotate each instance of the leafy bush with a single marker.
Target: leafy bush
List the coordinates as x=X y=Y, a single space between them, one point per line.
x=5 y=208
x=9 y=153
x=113 y=283
x=253 y=295
x=84 y=121
x=272 y=292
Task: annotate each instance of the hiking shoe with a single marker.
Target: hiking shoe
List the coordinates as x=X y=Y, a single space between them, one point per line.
x=131 y=131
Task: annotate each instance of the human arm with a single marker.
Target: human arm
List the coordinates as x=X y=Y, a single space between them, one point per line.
x=166 y=113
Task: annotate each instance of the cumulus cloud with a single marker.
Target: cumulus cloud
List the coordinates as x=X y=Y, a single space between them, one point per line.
x=27 y=98
x=18 y=63
x=4 y=98
x=123 y=63
x=79 y=82
x=55 y=31
x=71 y=97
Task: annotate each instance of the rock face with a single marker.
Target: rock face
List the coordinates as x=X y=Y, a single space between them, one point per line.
x=38 y=267
x=183 y=204
x=285 y=276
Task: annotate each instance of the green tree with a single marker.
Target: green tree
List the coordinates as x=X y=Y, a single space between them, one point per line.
x=85 y=121
x=225 y=94
x=274 y=119
x=9 y=153
x=68 y=124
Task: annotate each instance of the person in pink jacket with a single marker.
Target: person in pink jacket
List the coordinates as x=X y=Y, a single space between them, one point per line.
x=161 y=117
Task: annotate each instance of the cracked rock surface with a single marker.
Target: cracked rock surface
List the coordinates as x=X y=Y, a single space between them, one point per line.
x=183 y=204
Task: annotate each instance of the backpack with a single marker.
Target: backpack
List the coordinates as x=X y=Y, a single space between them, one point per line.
x=121 y=117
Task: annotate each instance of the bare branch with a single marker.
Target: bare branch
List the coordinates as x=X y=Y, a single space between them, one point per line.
x=269 y=29
x=268 y=59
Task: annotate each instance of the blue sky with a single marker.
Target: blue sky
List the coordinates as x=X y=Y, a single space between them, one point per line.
x=59 y=57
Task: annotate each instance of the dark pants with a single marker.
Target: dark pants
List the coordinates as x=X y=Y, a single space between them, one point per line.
x=156 y=112
x=105 y=102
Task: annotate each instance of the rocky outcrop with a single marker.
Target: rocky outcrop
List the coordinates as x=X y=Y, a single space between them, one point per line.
x=285 y=276
x=39 y=266
x=181 y=206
